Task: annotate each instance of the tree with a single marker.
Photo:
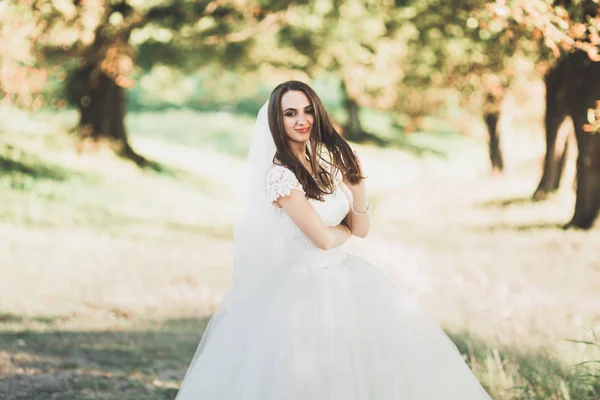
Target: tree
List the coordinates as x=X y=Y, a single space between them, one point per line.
x=571 y=29
x=98 y=42
x=19 y=77
x=580 y=100
x=556 y=130
x=354 y=39
x=459 y=45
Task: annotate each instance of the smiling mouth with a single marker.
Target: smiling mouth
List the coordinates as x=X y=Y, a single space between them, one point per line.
x=304 y=130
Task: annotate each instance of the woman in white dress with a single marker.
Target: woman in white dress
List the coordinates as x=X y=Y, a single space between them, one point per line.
x=304 y=320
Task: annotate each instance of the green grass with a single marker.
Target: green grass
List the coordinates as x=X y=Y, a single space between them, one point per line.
x=109 y=273
x=127 y=360
x=131 y=358
x=524 y=374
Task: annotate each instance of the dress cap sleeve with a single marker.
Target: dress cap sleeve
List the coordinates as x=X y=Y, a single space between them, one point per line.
x=280 y=183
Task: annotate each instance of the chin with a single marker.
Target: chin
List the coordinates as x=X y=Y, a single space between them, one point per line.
x=299 y=139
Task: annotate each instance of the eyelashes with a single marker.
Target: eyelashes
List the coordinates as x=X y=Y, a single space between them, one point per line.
x=308 y=111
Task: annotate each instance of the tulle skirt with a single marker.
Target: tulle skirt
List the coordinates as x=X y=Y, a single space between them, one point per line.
x=335 y=330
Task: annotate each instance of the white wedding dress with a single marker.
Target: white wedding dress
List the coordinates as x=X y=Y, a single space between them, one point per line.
x=324 y=325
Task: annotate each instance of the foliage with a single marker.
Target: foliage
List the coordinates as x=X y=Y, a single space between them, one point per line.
x=19 y=75
x=118 y=38
x=378 y=48
x=563 y=24
x=593 y=116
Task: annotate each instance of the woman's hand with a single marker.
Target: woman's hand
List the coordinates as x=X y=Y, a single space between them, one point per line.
x=359 y=191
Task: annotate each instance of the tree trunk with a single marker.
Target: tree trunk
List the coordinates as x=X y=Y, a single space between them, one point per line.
x=102 y=110
x=101 y=104
x=353 y=130
x=562 y=160
x=496 y=158
x=587 y=203
x=491 y=115
x=97 y=88
x=557 y=148
x=557 y=126
x=581 y=87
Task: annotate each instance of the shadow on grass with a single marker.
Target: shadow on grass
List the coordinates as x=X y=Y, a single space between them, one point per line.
x=110 y=364
x=29 y=165
x=502 y=203
x=150 y=364
x=519 y=227
x=22 y=168
x=517 y=201
x=8 y=318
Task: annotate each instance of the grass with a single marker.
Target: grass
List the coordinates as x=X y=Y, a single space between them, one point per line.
x=127 y=360
x=108 y=273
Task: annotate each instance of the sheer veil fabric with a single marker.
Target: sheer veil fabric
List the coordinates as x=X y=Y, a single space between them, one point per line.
x=254 y=239
x=301 y=323
x=254 y=236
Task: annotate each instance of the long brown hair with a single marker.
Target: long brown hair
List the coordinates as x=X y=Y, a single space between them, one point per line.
x=327 y=146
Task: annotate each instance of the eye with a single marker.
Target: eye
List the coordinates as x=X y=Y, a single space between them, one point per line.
x=290 y=114
x=310 y=111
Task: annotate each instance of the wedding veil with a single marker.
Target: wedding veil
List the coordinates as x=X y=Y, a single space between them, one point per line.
x=254 y=240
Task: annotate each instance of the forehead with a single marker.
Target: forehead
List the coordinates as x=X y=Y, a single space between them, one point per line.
x=294 y=99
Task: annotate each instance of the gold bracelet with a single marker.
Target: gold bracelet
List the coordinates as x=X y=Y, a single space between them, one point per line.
x=357 y=213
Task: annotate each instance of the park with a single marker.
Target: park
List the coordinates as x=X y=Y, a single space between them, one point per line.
x=124 y=127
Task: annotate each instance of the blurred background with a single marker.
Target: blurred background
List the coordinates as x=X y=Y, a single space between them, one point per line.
x=124 y=126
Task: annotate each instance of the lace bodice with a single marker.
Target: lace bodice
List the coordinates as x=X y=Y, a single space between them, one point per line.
x=293 y=243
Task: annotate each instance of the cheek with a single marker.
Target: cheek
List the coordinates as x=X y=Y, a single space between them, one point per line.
x=289 y=124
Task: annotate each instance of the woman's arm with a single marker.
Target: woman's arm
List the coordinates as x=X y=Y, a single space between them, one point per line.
x=306 y=218
x=359 y=221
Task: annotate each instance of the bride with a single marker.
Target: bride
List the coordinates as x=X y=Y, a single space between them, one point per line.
x=304 y=320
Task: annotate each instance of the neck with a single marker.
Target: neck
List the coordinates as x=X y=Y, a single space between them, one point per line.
x=299 y=151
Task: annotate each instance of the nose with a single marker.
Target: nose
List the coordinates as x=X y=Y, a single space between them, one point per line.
x=301 y=119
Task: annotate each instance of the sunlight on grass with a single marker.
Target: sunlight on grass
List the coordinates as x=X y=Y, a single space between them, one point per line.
x=124 y=265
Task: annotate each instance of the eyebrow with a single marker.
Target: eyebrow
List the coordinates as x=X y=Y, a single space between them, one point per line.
x=293 y=109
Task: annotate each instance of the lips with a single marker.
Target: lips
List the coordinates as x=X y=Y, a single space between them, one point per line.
x=303 y=130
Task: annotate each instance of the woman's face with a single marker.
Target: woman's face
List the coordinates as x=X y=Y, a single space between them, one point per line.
x=298 y=116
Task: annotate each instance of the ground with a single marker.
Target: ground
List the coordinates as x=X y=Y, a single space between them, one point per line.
x=108 y=273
